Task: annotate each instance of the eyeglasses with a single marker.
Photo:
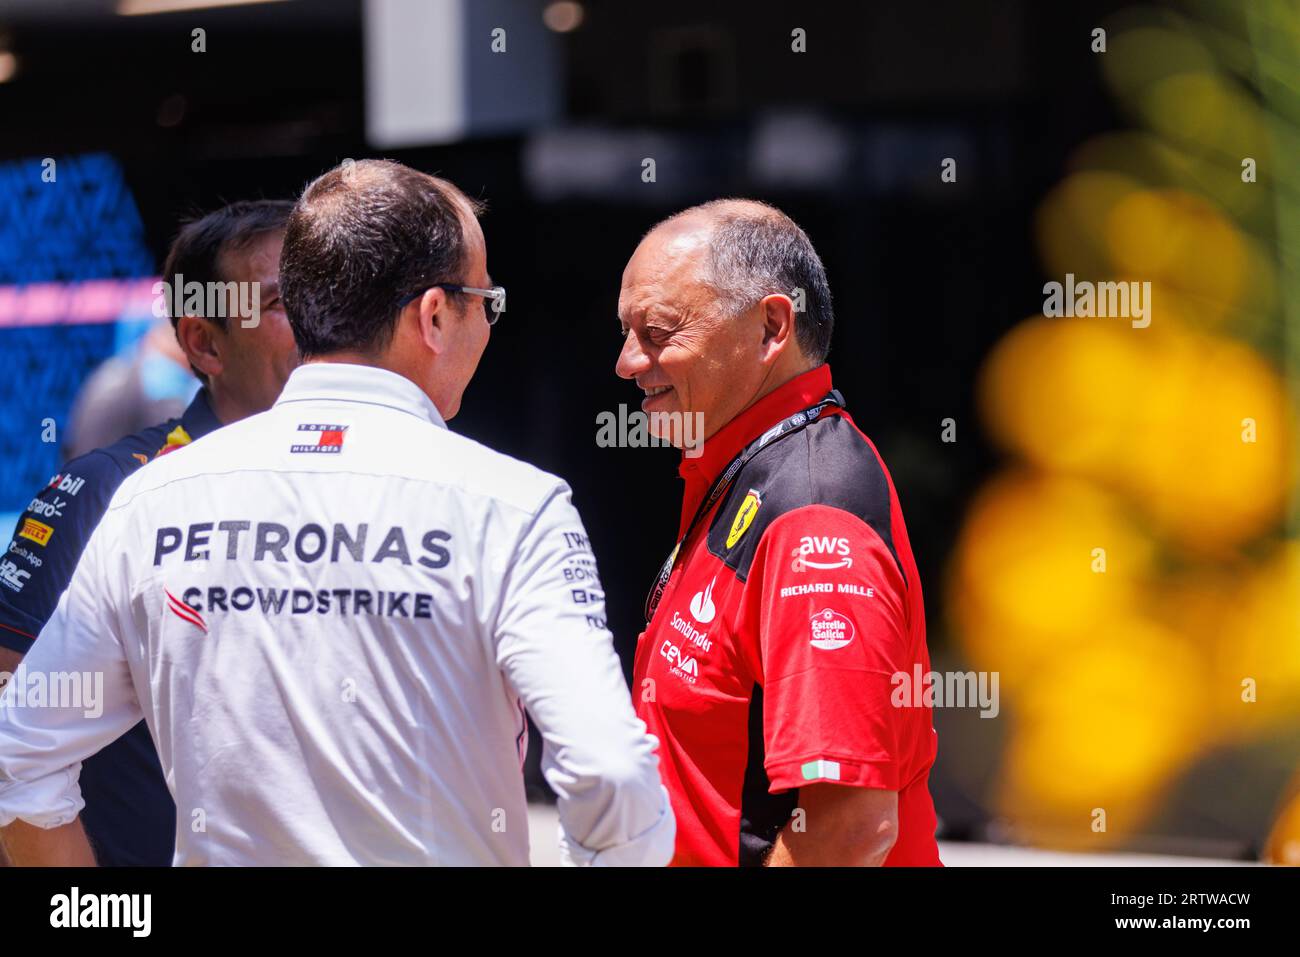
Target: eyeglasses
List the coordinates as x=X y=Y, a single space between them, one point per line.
x=496 y=297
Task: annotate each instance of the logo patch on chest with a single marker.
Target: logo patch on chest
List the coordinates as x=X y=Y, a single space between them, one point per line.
x=830 y=630
x=744 y=517
x=702 y=608
x=680 y=663
x=329 y=438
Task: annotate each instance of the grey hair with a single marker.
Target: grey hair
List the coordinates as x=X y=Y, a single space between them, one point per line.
x=756 y=250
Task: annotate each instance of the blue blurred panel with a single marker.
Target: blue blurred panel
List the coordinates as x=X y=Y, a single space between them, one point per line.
x=83 y=225
x=80 y=225
x=43 y=367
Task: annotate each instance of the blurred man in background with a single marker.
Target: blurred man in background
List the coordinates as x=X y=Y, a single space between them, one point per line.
x=242 y=359
x=776 y=625
x=147 y=382
x=334 y=614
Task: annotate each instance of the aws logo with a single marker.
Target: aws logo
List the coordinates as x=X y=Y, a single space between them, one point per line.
x=822 y=552
x=744 y=516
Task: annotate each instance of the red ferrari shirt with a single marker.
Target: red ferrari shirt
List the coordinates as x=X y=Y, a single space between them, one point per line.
x=771 y=658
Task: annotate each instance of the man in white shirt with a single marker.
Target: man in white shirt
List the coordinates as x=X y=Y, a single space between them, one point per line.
x=333 y=614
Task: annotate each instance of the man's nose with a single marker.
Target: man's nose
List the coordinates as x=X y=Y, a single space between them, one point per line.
x=632 y=359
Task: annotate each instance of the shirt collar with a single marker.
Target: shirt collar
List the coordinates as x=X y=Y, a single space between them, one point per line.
x=199 y=419
x=724 y=445
x=785 y=400
x=368 y=385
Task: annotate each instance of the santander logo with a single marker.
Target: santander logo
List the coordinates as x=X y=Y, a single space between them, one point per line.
x=702 y=605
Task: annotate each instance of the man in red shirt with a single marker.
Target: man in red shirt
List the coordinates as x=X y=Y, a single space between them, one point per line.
x=779 y=626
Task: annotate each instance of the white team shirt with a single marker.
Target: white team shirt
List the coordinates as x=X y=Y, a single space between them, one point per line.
x=332 y=615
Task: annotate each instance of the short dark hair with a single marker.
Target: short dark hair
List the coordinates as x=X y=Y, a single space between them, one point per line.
x=364 y=238
x=755 y=250
x=196 y=252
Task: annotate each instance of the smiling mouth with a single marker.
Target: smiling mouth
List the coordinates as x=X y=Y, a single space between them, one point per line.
x=657 y=390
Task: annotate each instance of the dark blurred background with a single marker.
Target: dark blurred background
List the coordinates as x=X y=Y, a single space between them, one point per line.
x=847 y=138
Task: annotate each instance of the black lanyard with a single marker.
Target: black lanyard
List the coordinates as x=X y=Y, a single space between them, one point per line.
x=720 y=485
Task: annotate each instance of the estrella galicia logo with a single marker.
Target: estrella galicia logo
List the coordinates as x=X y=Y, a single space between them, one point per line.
x=329 y=438
x=829 y=630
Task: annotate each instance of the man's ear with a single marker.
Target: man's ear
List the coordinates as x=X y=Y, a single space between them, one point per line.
x=198 y=340
x=778 y=317
x=432 y=312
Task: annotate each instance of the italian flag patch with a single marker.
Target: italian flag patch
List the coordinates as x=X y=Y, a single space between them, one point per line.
x=821 y=769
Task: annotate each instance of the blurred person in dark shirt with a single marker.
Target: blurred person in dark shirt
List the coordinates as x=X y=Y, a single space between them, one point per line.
x=241 y=361
x=147 y=382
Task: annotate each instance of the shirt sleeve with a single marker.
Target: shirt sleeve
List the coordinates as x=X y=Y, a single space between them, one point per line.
x=72 y=695
x=833 y=630
x=556 y=653
x=47 y=543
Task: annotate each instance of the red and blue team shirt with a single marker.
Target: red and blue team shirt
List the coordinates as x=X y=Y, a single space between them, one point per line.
x=129 y=815
x=769 y=663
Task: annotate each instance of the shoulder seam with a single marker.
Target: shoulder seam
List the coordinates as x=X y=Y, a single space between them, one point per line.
x=857 y=518
x=123 y=473
x=550 y=490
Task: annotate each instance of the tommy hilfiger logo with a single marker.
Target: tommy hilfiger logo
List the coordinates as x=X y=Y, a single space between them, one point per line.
x=185 y=612
x=329 y=438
